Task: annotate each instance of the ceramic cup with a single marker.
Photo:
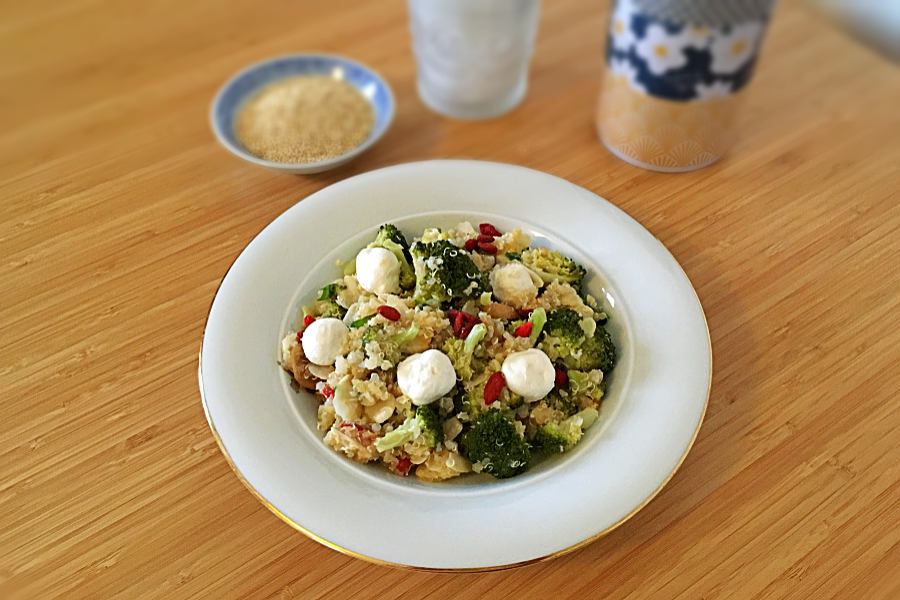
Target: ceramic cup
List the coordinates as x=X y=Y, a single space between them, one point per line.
x=675 y=69
x=472 y=56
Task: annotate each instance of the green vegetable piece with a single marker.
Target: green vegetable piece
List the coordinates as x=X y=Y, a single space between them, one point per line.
x=407 y=335
x=494 y=442
x=430 y=425
x=538 y=319
x=327 y=305
x=391 y=238
x=444 y=273
x=588 y=416
x=551 y=265
x=590 y=384
x=328 y=293
x=558 y=437
x=362 y=320
x=398 y=436
x=598 y=352
x=476 y=335
x=425 y=422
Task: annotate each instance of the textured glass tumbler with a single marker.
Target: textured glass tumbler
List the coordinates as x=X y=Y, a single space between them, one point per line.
x=472 y=56
x=675 y=69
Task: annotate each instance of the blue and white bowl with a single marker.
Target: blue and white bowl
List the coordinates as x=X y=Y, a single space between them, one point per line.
x=231 y=97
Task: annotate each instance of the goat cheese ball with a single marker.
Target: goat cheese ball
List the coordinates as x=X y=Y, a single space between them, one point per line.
x=378 y=271
x=514 y=284
x=426 y=376
x=529 y=373
x=324 y=340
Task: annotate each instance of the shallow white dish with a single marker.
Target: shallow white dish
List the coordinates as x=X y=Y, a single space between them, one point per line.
x=648 y=421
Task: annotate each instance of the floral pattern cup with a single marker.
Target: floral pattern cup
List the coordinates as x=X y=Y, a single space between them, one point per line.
x=674 y=72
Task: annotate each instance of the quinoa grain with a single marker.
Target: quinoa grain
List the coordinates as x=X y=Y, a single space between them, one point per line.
x=305 y=119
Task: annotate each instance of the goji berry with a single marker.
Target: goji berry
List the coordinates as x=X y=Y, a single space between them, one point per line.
x=488 y=229
x=523 y=330
x=300 y=335
x=388 y=312
x=458 y=323
x=487 y=239
x=308 y=320
x=469 y=318
x=403 y=465
x=493 y=387
x=561 y=378
x=486 y=247
x=470 y=244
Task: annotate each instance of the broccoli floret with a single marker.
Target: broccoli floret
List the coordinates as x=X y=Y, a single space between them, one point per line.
x=567 y=405
x=430 y=424
x=425 y=423
x=326 y=305
x=390 y=232
x=557 y=437
x=461 y=352
x=562 y=436
x=588 y=384
x=470 y=402
x=390 y=345
x=597 y=352
x=445 y=272
x=462 y=361
x=494 y=442
x=390 y=238
x=564 y=330
x=550 y=265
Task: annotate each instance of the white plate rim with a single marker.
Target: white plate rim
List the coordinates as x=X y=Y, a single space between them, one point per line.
x=580 y=544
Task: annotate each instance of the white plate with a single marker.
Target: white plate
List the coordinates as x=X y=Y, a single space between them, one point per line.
x=648 y=421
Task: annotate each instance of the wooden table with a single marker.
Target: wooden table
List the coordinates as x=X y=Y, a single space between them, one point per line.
x=120 y=214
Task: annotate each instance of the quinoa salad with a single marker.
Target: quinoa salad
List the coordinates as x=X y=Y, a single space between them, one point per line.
x=465 y=351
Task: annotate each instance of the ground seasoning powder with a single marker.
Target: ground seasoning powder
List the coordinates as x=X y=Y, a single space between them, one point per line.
x=305 y=119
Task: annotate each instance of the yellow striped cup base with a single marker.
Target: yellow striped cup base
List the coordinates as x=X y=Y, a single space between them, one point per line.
x=663 y=135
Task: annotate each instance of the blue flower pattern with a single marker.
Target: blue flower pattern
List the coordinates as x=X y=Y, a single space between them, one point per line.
x=681 y=62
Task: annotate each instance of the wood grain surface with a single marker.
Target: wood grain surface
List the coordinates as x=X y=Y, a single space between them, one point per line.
x=120 y=214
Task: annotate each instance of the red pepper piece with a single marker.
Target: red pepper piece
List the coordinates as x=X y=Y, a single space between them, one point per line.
x=489 y=248
x=466 y=330
x=308 y=320
x=561 y=378
x=527 y=313
x=328 y=392
x=523 y=330
x=493 y=387
x=403 y=465
x=488 y=229
x=487 y=239
x=470 y=244
x=388 y=312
